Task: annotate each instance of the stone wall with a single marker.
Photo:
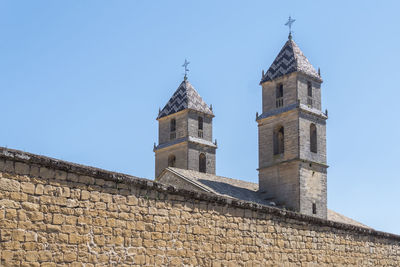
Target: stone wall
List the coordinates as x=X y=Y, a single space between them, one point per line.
x=302 y=91
x=181 y=127
x=289 y=83
x=178 y=150
x=193 y=157
x=193 y=125
x=54 y=213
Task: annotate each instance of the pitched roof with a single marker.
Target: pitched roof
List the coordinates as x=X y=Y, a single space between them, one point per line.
x=289 y=59
x=185 y=97
x=240 y=189
x=223 y=186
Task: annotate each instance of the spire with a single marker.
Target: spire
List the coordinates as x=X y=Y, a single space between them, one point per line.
x=289 y=24
x=290 y=59
x=185 y=64
x=185 y=97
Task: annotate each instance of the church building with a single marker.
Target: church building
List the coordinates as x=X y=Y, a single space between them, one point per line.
x=291 y=141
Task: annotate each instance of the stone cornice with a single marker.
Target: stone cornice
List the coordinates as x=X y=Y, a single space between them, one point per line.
x=294 y=106
x=190 y=139
x=291 y=160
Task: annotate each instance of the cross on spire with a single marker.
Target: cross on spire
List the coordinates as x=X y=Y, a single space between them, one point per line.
x=289 y=24
x=185 y=64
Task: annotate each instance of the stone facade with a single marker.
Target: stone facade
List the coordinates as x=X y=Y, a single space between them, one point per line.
x=54 y=213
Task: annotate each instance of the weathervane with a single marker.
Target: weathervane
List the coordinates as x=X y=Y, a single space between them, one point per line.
x=186 y=68
x=289 y=24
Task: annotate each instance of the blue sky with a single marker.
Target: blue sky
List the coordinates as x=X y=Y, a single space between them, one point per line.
x=83 y=80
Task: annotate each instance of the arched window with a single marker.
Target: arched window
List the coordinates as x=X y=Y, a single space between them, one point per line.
x=279 y=95
x=202 y=163
x=313 y=138
x=200 y=123
x=310 y=100
x=171 y=160
x=309 y=89
x=279 y=141
x=172 y=127
x=200 y=127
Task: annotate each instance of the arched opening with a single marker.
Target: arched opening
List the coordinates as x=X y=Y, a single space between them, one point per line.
x=202 y=163
x=171 y=161
x=279 y=95
x=313 y=138
x=173 y=125
x=200 y=127
x=310 y=100
x=279 y=141
x=172 y=128
x=309 y=89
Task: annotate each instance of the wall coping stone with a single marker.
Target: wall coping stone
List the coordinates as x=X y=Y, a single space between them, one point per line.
x=43 y=161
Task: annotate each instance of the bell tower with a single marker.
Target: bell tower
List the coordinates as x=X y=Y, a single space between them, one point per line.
x=185 y=133
x=292 y=134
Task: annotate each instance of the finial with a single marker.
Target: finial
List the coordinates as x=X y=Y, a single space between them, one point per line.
x=262 y=74
x=211 y=107
x=154 y=147
x=319 y=72
x=215 y=142
x=326 y=112
x=256 y=115
x=289 y=24
x=185 y=64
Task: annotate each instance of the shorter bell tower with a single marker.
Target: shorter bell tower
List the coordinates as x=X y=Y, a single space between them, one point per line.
x=185 y=133
x=292 y=135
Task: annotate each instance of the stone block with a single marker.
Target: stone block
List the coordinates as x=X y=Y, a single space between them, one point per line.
x=22 y=168
x=2 y=165
x=39 y=190
x=60 y=175
x=9 y=166
x=46 y=173
x=28 y=188
x=6 y=203
x=9 y=185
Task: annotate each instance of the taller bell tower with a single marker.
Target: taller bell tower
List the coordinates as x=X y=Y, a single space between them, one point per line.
x=292 y=134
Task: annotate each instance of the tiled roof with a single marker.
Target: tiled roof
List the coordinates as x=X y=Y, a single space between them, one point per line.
x=241 y=190
x=289 y=59
x=222 y=185
x=185 y=97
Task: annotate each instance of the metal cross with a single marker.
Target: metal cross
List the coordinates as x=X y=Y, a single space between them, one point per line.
x=289 y=24
x=186 y=68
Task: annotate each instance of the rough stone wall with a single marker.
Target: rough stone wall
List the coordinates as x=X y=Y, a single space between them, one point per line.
x=54 y=213
x=181 y=156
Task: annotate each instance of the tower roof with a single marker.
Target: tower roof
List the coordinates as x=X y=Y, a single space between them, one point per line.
x=290 y=59
x=185 y=97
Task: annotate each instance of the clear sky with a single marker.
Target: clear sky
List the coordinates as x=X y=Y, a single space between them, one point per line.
x=83 y=80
